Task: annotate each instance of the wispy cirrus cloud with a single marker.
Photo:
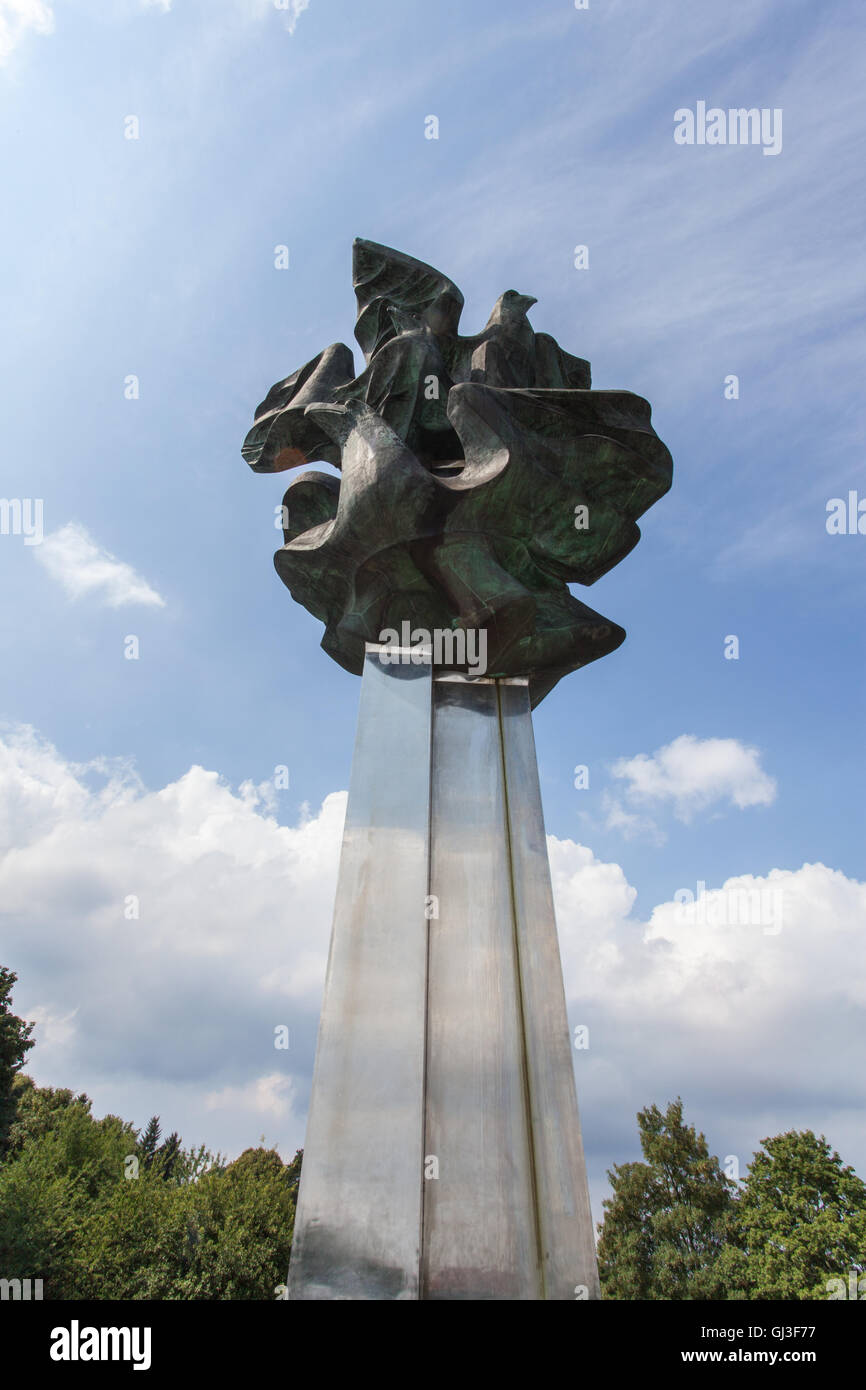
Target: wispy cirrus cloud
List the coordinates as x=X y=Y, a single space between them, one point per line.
x=72 y=556
x=20 y=17
x=632 y=825
x=294 y=9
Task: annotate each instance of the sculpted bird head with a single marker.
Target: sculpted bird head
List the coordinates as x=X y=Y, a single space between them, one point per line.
x=510 y=307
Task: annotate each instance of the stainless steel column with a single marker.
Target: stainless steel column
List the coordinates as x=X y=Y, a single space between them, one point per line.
x=443 y=1157
x=480 y=1227
x=358 y=1221
x=569 y=1265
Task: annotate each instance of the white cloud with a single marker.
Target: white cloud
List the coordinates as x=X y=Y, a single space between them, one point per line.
x=692 y=774
x=71 y=556
x=18 y=17
x=291 y=9
x=38 y=790
x=56 y=1029
x=164 y=5
x=294 y=8
x=758 y=1030
x=713 y=972
x=630 y=824
x=268 y=1095
x=172 y=1012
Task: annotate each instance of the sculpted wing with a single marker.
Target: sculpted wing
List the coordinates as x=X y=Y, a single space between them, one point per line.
x=384 y=278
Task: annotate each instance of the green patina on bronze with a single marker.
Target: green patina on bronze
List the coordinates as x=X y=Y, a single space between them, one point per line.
x=480 y=476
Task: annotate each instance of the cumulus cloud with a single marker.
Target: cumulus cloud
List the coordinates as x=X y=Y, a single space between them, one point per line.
x=174 y=1010
x=751 y=1015
x=691 y=774
x=161 y=936
x=19 y=17
x=71 y=556
x=716 y=967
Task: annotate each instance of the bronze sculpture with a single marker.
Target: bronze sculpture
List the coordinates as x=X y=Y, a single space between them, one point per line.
x=480 y=476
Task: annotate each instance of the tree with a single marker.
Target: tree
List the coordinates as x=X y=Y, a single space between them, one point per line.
x=38 y=1110
x=148 y=1142
x=665 y=1225
x=293 y=1172
x=166 y=1159
x=258 y=1163
x=15 y=1043
x=800 y=1221
x=50 y=1189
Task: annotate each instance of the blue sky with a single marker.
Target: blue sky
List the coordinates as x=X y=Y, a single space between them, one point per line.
x=154 y=257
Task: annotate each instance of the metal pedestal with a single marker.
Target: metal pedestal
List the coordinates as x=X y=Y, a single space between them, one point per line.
x=443 y=1157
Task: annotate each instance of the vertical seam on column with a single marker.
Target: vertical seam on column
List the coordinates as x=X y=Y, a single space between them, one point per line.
x=518 y=973
x=423 y=1221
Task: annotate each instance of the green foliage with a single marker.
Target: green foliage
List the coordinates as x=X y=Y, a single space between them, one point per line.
x=676 y=1228
x=666 y=1222
x=15 y=1043
x=800 y=1221
x=225 y=1236
x=51 y=1186
x=37 y=1111
x=98 y=1211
